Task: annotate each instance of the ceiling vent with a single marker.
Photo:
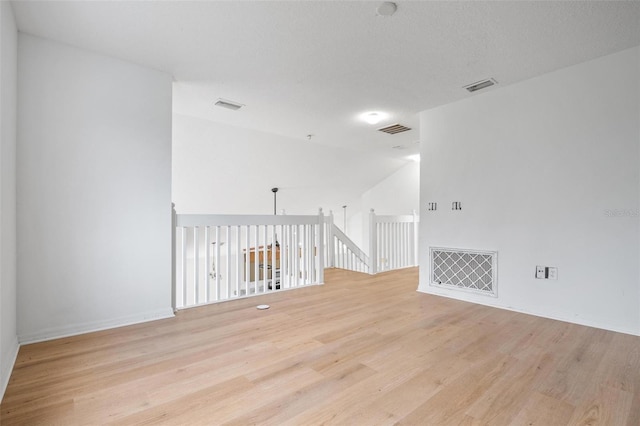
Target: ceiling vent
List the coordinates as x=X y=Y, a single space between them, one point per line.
x=394 y=128
x=229 y=104
x=474 y=87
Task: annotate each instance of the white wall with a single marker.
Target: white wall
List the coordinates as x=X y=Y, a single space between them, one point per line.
x=94 y=191
x=397 y=194
x=8 y=70
x=225 y=169
x=537 y=166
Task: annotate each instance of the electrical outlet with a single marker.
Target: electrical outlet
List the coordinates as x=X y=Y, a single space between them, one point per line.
x=546 y=272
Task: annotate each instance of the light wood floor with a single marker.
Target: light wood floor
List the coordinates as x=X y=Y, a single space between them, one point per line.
x=359 y=350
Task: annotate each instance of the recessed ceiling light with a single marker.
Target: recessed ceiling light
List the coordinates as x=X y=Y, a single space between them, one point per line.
x=224 y=103
x=373 y=117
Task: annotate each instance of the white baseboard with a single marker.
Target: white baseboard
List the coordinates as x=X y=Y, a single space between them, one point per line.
x=75 y=329
x=8 y=363
x=579 y=321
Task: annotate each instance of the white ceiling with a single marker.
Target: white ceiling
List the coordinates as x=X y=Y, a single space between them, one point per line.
x=311 y=67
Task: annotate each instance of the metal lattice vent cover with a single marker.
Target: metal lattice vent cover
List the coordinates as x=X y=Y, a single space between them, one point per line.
x=464 y=269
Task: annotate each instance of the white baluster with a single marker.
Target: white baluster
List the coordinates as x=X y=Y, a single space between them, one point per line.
x=373 y=243
x=415 y=238
x=174 y=269
x=196 y=259
x=265 y=260
x=227 y=272
x=238 y=267
x=207 y=261
x=247 y=257
x=272 y=261
x=287 y=270
x=184 y=266
x=256 y=260
x=217 y=257
x=322 y=247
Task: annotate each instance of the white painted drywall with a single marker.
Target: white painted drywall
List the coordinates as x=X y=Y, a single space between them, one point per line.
x=539 y=167
x=8 y=77
x=225 y=169
x=94 y=191
x=397 y=194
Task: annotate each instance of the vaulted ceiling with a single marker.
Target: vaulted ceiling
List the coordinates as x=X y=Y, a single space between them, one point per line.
x=312 y=67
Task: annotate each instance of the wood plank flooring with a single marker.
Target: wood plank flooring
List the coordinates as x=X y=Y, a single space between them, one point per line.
x=359 y=350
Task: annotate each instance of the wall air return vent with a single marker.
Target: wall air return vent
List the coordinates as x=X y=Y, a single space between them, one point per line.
x=474 y=87
x=467 y=270
x=394 y=128
x=228 y=104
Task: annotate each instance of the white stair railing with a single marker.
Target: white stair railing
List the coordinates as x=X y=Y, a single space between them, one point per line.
x=393 y=242
x=342 y=251
x=224 y=257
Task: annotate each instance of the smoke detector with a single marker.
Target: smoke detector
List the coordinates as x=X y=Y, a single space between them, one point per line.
x=387 y=8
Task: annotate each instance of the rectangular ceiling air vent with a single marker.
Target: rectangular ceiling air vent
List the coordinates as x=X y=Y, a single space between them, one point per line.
x=394 y=128
x=474 y=87
x=229 y=104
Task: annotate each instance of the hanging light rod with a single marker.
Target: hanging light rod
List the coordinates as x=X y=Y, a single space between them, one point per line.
x=275 y=200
